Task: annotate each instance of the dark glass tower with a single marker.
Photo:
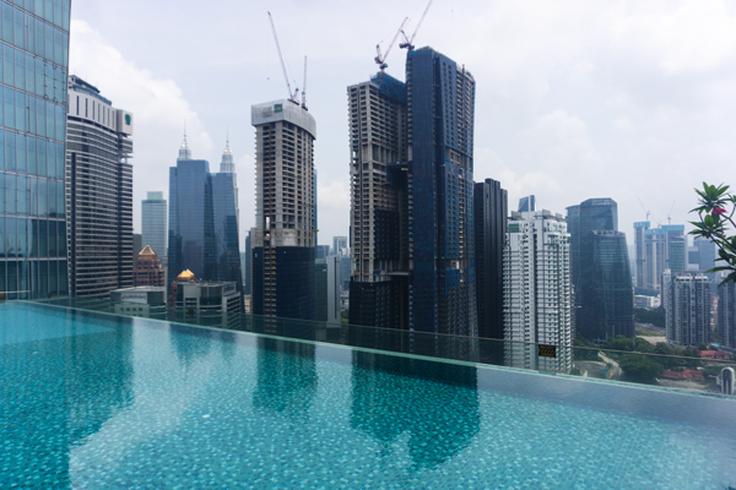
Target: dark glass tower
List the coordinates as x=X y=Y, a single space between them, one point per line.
x=225 y=216
x=203 y=220
x=33 y=249
x=191 y=227
x=491 y=212
x=600 y=271
x=441 y=99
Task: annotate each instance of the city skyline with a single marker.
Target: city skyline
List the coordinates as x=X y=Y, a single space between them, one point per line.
x=544 y=112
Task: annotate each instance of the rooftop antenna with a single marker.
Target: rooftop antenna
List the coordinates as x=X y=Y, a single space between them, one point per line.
x=409 y=41
x=380 y=58
x=292 y=93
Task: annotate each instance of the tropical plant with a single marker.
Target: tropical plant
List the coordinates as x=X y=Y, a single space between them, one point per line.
x=716 y=222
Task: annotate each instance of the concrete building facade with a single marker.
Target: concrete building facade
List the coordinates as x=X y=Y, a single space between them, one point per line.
x=284 y=237
x=537 y=292
x=99 y=192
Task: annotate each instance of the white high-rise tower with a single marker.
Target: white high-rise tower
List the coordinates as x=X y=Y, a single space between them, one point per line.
x=537 y=292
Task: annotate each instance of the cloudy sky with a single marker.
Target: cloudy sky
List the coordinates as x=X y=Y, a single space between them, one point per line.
x=575 y=99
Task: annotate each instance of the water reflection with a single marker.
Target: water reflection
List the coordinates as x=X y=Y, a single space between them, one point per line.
x=287 y=377
x=440 y=417
x=55 y=392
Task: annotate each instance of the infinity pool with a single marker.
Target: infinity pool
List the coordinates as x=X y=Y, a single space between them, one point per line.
x=90 y=400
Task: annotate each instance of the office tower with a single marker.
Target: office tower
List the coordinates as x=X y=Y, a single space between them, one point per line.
x=203 y=220
x=664 y=247
x=33 y=249
x=340 y=245
x=327 y=289
x=686 y=301
x=640 y=231
x=601 y=276
x=727 y=313
x=226 y=217
x=491 y=212
x=137 y=244
x=440 y=102
x=705 y=253
x=537 y=292
x=99 y=193
x=285 y=234
x=248 y=266
x=153 y=220
x=191 y=226
x=147 y=270
x=527 y=203
x=379 y=209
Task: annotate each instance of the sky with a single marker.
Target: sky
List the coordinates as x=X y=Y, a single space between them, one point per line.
x=574 y=98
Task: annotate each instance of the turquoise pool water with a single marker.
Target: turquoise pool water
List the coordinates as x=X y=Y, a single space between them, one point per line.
x=100 y=401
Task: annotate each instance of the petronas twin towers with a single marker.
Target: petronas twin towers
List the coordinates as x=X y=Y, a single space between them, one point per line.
x=203 y=219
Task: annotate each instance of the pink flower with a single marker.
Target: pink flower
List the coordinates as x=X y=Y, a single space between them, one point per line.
x=718 y=211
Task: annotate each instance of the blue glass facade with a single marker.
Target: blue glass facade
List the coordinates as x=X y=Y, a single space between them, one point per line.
x=203 y=223
x=191 y=226
x=600 y=271
x=225 y=216
x=34 y=47
x=441 y=98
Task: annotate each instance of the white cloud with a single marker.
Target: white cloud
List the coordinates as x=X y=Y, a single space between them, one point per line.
x=160 y=109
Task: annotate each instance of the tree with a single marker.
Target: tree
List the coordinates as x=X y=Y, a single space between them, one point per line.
x=716 y=222
x=640 y=369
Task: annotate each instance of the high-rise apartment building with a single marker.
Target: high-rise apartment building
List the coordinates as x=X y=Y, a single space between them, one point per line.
x=440 y=119
x=491 y=214
x=601 y=276
x=686 y=301
x=35 y=47
x=154 y=225
x=661 y=248
x=285 y=233
x=537 y=292
x=727 y=313
x=379 y=209
x=99 y=193
x=412 y=198
x=203 y=221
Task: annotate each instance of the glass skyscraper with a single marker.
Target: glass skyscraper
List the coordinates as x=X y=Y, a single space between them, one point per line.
x=600 y=271
x=440 y=102
x=34 y=48
x=491 y=216
x=203 y=220
x=153 y=211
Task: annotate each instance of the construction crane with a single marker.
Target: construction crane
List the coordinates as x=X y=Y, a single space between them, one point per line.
x=304 y=84
x=646 y=211
x=669 y=214
x=293 y=94
x=380 y=58
x=409 y=41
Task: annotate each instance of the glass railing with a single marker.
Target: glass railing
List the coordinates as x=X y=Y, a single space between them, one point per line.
x=633 y=360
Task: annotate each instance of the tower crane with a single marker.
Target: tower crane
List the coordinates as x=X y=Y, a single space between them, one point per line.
x=409 y=41
x=380 y=58
x=293 y=94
